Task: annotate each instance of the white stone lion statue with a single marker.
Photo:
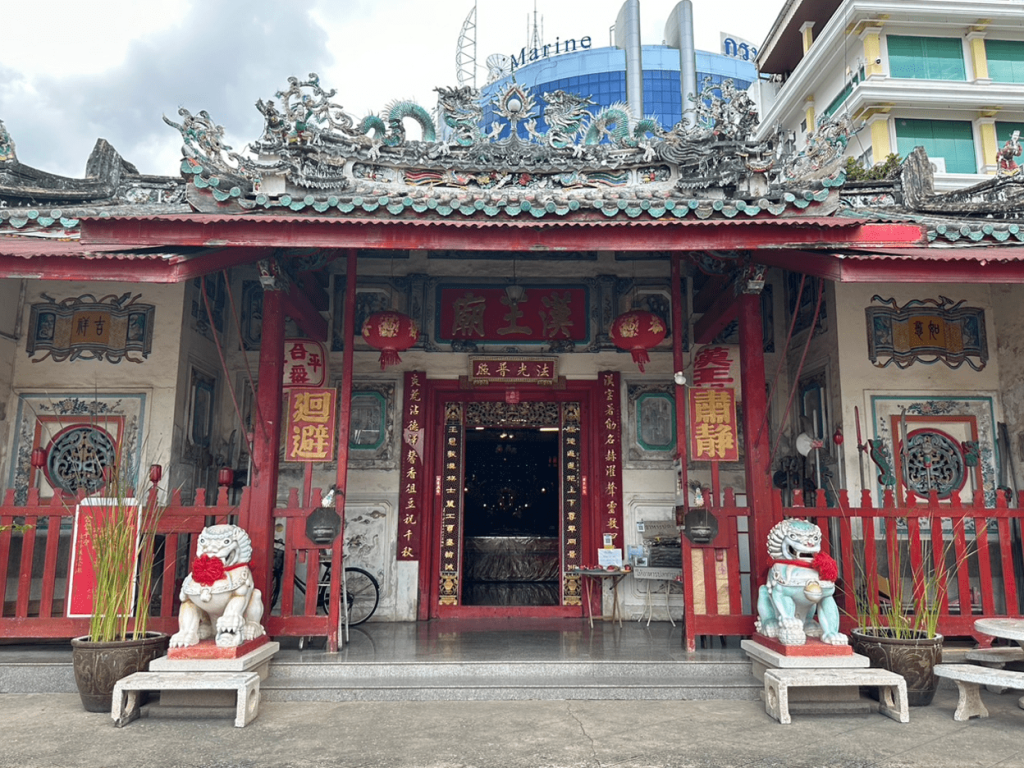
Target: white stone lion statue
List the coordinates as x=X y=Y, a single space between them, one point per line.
x=219 y=598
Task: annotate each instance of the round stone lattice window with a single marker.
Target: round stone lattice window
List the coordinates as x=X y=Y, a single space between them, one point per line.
x=934 y=461
x=77 y=456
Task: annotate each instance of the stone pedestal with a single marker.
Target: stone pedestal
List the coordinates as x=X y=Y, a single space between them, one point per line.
x=765 y=654
x=253 y=656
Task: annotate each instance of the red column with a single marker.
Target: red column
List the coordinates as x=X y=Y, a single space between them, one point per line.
x=678 y=333
x=344 y=422
x=259 y=522
x=758 y=451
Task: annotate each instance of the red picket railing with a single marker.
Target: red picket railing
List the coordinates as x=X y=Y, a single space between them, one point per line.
x=34 y=562
x=973 y=550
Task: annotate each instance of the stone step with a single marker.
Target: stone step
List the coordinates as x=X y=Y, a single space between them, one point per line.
x=473 y=688
x=621 y=672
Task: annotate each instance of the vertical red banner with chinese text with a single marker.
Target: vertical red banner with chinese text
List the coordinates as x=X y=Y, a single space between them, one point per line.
x=608 y=477
x=310 y=424
x=410 y=497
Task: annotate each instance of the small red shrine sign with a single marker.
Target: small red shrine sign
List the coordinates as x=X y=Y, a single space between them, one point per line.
x=305 y=363
x=310 y=424
x=521 y=313
x=716 y=366
x=713 y=433
x=91 y=514
x=512 y=370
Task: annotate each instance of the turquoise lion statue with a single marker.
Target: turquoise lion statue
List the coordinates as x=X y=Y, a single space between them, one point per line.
x=797 y=600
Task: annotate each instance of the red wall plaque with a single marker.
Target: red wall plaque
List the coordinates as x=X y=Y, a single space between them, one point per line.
x=518 y=313
x=713 y=431
x=310 y=424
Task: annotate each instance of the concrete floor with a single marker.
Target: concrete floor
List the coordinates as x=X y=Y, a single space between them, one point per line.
x=51 y=729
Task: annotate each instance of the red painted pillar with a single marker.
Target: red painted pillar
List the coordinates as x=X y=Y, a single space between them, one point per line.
x=678 y=365
x=678 y=333
x=344 y=422
x=259 y=522
x=758 y=451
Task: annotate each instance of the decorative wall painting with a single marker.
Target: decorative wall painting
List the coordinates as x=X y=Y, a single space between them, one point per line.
x=111 y=328
x=926 y=331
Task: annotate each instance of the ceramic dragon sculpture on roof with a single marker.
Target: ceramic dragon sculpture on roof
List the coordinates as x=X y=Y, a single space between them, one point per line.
x=314 y=154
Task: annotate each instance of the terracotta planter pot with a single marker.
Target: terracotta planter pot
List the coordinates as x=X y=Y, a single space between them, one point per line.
x=914 y=658
x=98 y=666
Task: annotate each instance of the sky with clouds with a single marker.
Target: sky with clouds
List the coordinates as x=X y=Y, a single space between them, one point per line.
x=110 y=68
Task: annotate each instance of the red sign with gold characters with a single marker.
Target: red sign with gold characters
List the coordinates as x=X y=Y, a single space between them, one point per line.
x=305 y=363
x=609 y=479
x=310 y=424
x=409 y=499
x=717 y=366
x=713 y=433
x=512 y=370
x=518 y=313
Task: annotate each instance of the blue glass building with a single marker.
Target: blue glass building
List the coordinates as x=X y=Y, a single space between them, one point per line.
x=600 y=73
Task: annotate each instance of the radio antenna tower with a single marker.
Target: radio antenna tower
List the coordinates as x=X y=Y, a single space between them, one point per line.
x=534 y=36
x=465 y=53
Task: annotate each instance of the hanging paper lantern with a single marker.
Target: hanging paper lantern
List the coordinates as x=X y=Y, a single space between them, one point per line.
x=391 y=333
x=637 y=331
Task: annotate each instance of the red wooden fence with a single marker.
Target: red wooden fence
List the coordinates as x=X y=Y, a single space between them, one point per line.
x=34 y=563
x=973 y=549
x=34 y=566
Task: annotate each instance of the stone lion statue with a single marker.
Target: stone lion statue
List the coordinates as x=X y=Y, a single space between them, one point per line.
x=219 y=598
x=800 y=586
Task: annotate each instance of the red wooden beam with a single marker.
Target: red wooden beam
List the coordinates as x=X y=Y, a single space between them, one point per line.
x=144 y=269
x=755 y=406
x=931 y=271
x=719 y=315
x=259 y=519
x=344 y=423
x=317 y=296
x=300 y=309
x=276 y=232
x=709 y=292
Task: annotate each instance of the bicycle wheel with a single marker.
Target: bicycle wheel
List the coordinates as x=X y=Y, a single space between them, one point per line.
x=362 y=594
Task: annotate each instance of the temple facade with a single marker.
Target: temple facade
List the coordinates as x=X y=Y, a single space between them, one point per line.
x=516 y=359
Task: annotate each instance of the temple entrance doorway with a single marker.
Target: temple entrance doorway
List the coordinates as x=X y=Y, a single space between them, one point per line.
x=511 y=514
x=511 y=552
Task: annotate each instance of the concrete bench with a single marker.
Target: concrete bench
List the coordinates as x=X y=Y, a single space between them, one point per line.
x=125 y=705
x=996 y=658
x=892 y=689
x=969 y=678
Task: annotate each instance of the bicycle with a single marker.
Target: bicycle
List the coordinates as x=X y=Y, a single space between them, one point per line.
x=362 y=592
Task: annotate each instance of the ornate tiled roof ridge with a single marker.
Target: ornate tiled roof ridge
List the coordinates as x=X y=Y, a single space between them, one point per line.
x=312 y=153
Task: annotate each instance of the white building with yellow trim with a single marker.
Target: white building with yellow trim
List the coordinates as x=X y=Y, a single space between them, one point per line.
x=947 y=75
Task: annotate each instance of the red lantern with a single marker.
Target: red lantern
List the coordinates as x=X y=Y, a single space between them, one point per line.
x=637 y=331
x=391 y=333
x=155 y=473
x=225 y=476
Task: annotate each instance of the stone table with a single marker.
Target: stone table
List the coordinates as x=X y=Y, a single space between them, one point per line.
x=1007 y=629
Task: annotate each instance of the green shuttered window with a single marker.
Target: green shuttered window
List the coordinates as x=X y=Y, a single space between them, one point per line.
x=926 y=58
x=1005 y=60
x=952 y=140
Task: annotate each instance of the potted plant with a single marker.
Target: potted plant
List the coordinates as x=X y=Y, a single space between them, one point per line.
x=116 y=533
x=897 y=616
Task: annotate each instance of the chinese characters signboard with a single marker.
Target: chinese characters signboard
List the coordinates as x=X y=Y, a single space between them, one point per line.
x=713 y=433
x=512 y=370
x=310 y=425
x=609 y=477
x=90 y=514
x=716 y=366
x=305 y=363
x=572 y=504
x=410 y=509
x=926 y=331
x=111 y=329
x=519 y=313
